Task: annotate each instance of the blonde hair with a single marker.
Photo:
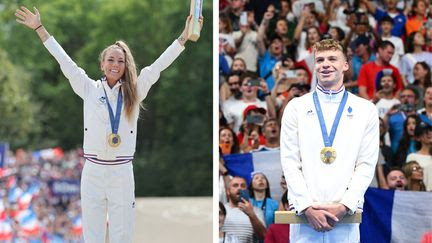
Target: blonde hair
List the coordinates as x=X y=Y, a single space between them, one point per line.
x=407 y=168
x=129 y=79
x=329 y=45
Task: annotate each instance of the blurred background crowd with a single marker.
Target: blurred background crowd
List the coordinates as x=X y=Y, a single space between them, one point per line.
x=266 y=59
x=40 y=196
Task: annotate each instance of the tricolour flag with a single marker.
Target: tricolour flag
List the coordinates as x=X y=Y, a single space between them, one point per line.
x=77 y=226
x=395 y=216
x=29 y=224
x=267 y=162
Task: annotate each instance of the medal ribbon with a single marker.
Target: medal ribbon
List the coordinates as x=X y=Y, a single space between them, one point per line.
x=115 y=121
x=328 y=141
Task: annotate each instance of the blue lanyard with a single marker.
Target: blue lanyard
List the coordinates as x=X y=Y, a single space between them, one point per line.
x=115 y=121
x=328 y=141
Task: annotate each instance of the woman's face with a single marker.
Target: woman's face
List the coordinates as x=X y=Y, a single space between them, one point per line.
x=313 y=36
x=226 y=136
x=421 y=8
x=281 y=27
x=238 y=65
x=419 y=39
x=419 y=72
x=334 y=34
x=411 y=124
x=221 y=26
x=113 y=64
x=259 y=182
x=417 y=172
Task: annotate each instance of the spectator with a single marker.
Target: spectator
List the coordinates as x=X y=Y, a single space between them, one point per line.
x=422 y=76
x=386 y=25
x=397 y=115
x=368 y=72
x=228 y=141
x=279 y=233
x=414 y=54
x=423 y=156
x=234 y=10
x=230 y=90
x=362 y=54
x=259 y=190
x=396 y=179
x=233 y=110
x=426 y=112
x=268 y=58
x=408 y=143
x=246 y=43
x=227 y=45
x=238 y=65
x=242 y=219
x=385 y=93
x=414 y=175
x=224 y=237
x=399 y=18
x=250 y=136
x=259 y=7
x=271 y=130
x=336 y=33
x=417 y=17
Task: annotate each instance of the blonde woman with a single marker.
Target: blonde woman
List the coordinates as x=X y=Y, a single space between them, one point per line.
x=111 y=109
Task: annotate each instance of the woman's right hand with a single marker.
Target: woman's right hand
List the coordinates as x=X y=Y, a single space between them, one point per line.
x=27 y=18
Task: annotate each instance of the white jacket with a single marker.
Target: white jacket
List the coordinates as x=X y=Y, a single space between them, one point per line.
x=309 y=180
x=97 y=125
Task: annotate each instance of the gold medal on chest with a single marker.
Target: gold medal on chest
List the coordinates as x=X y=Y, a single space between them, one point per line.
x=114 y=140
x=328 y=155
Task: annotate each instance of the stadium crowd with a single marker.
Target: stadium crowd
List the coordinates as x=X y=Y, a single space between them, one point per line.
x=266 y=60
x=39 y=195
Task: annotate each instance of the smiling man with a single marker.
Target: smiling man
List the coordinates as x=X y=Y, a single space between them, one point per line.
x=328 y=174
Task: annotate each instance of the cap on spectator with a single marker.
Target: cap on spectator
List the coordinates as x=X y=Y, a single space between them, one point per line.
x=387 y=18
x=253 y=108
x=422 y=128
x=362 y=39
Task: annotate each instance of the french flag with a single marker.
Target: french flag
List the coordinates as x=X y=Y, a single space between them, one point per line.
x=395 y=216
x=6 y=232
x=29 y=224
x=267 y=162
x=25 y=199
x=77 y=226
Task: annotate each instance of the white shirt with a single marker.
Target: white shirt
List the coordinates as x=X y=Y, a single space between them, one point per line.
x=248 y=50
x=384 y=105
x=238 y=224
x=97 y=124
x=345 y=181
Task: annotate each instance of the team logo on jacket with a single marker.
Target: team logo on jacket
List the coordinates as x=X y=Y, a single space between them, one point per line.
x=102 y=99
x=309 y=112
x=350 y=112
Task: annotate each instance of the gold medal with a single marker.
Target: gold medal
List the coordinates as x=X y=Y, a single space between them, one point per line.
x=114 y=140
x=328 y=155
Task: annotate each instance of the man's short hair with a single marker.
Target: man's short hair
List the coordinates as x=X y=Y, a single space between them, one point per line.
x=393 y=169
x=329 y=45
x=384 y=44
x=413 y=89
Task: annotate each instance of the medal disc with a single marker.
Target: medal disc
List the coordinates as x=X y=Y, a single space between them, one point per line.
x=328 y=155
x=114 y=140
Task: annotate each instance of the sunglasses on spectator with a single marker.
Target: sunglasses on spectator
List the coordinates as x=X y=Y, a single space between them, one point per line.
x=234 y=83
x=417 y=168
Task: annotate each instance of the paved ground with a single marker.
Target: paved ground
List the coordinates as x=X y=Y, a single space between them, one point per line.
x=173 y=219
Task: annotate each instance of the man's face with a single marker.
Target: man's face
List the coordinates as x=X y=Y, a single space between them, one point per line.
x=248 y=90
x=237 y=4
x=281 y=27
x=235 y=185
x=396 y=180
x=271 y=130
x=361 y=49
x=329 y=67
x=407 y=96
x=385 y=54
x=313 y=36
x=386 y=27
x=387 y=83
x=391 y=4
x=276 y=47
x=234 y=83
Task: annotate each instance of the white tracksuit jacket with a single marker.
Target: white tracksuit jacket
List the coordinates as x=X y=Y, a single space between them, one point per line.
x=310 y=181
x=107 y=181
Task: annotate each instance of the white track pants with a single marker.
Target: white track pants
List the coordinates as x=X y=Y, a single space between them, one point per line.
x=342 y=233
x=108 y=189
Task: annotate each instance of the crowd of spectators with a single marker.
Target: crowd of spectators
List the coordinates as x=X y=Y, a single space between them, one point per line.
x=266 y=59
x=39 y=194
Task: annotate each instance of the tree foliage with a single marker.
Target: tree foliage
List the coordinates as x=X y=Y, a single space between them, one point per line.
x=174 y=136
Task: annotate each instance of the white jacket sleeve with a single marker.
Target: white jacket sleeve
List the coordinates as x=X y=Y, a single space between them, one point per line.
x=298 y=194
x=365 y=165
x=150 y=74
x=76 y=76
